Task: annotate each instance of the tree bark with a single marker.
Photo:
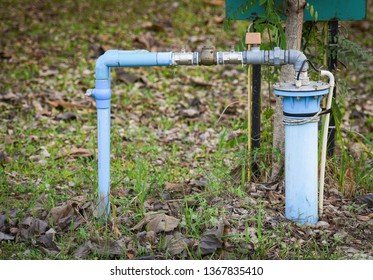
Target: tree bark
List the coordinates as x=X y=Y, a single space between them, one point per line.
x=293 y=33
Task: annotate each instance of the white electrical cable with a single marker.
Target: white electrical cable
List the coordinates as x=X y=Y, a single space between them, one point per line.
x=325 y=139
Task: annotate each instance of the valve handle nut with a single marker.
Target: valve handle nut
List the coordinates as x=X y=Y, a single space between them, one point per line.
x=89 y=92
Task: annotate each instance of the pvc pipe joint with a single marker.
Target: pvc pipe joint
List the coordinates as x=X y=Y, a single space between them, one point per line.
x=102 y=94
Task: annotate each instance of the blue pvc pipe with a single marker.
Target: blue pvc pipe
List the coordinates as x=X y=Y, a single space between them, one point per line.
x=301 y=173
x=103 y=123
x=102 y=94
x=301 y=153
x=116 y=58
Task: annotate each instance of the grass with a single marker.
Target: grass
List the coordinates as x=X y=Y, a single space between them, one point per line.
x=151 y=142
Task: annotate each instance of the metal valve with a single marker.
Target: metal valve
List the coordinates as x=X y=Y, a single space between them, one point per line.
x=208 y=55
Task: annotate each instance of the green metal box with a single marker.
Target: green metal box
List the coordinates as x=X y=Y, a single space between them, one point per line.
x=326 y=9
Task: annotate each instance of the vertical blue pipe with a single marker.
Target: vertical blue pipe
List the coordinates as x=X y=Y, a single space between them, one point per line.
x=103 y=123
x=301 y=173
x=102 y=94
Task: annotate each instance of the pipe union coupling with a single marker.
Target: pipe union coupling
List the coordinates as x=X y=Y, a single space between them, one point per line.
x=277 y=56
x=184 y=58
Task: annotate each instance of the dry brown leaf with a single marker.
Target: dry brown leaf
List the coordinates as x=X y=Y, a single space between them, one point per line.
x=175 y=187
x=218 y=19
x=209 y=242
x=252 y=233
x=103 y=37
x=80 y=199
x=40 y=226
x=100 y=246
x=67 y=116
x=367 y=199
x=107 y=247
x=145 y=220
x=63 y=104
x=151 y=237
x=177 y=244
x=362 y=25
x=84 y=250
x=275 y=197
x=157 y=222
x=127 y=77
x=152 y=26
x=145 y=41
x=4 y=236
x=8 y=139
x=200 y=82
x=61 y=212
x=363 y=218
x=130 y=256
x=106 y=47
x=63 y=216
x=199 y=183
x=30 y=227
x=47 y=242
x=162 y=223
x=4 y=158
x=190 y=113
x=48 y=73
x=74 y=152
x=5 y=54
x=322 y=224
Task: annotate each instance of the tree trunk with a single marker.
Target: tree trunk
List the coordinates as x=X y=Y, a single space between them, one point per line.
x=293 y=33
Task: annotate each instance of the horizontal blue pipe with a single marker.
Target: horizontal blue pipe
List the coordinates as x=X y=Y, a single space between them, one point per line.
x=117 y=58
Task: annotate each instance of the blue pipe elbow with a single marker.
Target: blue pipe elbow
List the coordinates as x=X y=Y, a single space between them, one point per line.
x=104 y=62
x=116 y=58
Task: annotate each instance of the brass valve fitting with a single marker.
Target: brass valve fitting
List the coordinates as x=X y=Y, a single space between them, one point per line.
x=208 y=56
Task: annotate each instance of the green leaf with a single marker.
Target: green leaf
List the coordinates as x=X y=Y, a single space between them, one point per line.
x=312 y=10
x=262 y=2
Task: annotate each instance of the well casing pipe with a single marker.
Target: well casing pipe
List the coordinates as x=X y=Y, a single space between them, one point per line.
x=301 y=110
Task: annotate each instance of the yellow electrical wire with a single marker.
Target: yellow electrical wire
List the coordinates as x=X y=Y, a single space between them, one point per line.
x=249 y=117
